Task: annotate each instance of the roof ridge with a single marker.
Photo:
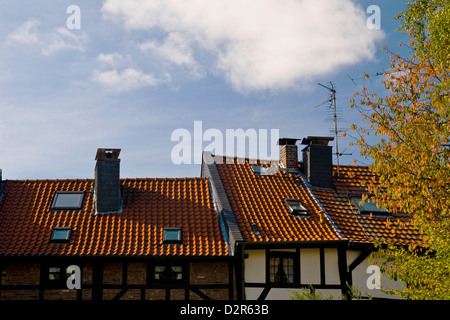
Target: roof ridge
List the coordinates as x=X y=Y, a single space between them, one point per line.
x=235 y=158
x=49 y=180
x=92 y=179
x=163 y=179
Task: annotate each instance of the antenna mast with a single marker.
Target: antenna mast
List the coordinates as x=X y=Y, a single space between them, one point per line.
x=333 y=101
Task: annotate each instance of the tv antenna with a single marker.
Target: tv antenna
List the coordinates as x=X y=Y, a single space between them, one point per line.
x=332 y=102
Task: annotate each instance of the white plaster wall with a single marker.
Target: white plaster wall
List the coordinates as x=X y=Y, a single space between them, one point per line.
x=279 y=294
x=310 y=266
x=360 y=277
x=331 y=266
x=255 y=266
x=253 y=293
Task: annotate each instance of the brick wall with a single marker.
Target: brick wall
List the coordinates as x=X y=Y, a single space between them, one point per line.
x=28 y=276
x=289 y=156
x=204 y=273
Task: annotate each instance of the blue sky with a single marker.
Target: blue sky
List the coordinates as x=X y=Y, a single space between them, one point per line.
x=135 y=71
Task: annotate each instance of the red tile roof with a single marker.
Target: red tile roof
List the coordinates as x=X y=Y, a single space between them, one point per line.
x=149 y=205
x=259 y=200
x=396 y=229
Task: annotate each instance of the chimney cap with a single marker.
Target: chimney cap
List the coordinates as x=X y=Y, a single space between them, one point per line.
x=318 y=141
x=107 y=154
x=286 y=141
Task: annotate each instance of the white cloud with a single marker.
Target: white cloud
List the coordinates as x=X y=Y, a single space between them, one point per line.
x=256 y=44
x=176 y=49
x=63 y=39
x=25 y=34
x=113 y=59
x=57 y=40
x=117 y=73
x=126 y=80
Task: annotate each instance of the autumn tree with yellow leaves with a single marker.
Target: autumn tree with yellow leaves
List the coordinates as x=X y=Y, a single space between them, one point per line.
x=412 y=153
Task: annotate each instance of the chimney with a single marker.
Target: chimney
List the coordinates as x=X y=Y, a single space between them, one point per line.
x=318 y=161
x=107 y=198
x=289 y=154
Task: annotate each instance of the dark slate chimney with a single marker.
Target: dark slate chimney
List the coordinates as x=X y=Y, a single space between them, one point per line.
x=318 y=161
x=107 y=198
x=289 y=154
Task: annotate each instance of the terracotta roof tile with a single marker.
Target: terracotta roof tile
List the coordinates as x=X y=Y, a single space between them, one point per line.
x=259 y=200
x=149 y=205
x=354 y=225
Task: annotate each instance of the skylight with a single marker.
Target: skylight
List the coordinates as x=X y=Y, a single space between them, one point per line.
x=172 y=235
x=295 y=207
x=260 y=171
x=369 y=206
x=61 y=234
x=68 y=200
x=255 y=229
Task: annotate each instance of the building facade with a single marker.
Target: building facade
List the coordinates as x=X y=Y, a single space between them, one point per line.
x=133 y=239
x=303 y=223
x=247 y=229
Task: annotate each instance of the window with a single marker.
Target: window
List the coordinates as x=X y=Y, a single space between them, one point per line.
x=281 y=267
x=68 y=200
x=264 y=171
x=295 y=207
x=56 y=276
x=369 y=207
x=172 y=235
x=260 y=171
x=255 y=229
x=61 y=235
x=168 y=273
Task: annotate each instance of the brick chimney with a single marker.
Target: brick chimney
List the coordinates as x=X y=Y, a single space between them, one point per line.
x=318 y=161
x=107 y=198
x=289 y=154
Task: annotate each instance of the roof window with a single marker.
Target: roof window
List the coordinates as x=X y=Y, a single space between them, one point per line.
x=68 y=200
x=260 y=171
x=369 y=207
x=255 y=229
x=295 y=207
x=172 y=235
x=61 y=234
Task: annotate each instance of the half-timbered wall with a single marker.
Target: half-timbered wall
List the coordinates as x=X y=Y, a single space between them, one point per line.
x=320 y=267
x=118 y=280
x=360 y=274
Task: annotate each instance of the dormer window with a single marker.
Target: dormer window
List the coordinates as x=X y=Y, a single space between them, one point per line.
x=68 y=200
x=172 y=235
x=295 y=207
x=369 y=206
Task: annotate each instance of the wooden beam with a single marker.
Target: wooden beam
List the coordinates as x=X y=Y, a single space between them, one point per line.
x=342 y=265
x=97 y=281
x=264 y=293
x=201 y=294
x=322 y=266
x=120 y=294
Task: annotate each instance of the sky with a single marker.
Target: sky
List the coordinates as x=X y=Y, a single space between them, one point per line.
x=80 y=75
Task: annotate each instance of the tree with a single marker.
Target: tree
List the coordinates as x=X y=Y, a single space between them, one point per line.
x=411 y=157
